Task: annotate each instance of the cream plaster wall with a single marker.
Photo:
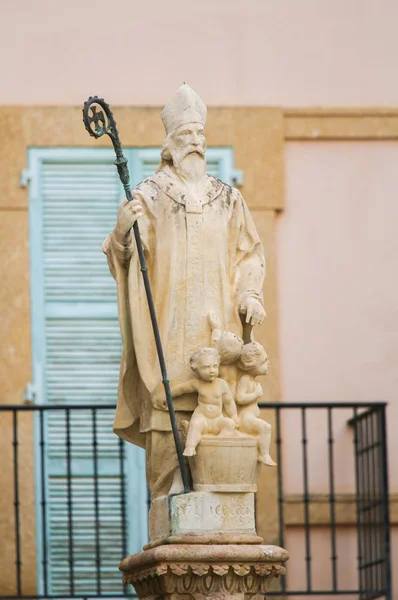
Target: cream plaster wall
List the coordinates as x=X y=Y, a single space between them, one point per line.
x=234 y=52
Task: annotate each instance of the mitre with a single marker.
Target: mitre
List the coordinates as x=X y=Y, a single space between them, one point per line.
x=184 y=107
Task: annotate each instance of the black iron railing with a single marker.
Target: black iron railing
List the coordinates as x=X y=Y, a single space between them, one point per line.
x=337 y=490
x=372 y=505
x=73 y=505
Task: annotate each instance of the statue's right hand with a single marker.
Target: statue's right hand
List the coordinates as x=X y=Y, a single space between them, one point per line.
x=128 y=213
x=159 y=398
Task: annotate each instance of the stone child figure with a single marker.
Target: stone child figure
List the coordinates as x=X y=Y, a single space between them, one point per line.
x=229 y=347
x=253 y=362
x=214 y=397
x=203 y=253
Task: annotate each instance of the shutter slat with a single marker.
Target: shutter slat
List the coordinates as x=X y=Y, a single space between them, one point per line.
x=80 y=202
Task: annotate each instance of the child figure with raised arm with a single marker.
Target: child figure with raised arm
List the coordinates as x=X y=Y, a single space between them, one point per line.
x=253 y=362
x=229 y=347
x=213 y=396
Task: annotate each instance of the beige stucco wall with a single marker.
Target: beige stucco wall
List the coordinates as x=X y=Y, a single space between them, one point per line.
x=264 y=52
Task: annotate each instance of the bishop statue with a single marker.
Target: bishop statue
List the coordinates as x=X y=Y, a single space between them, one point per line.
x=204 y=256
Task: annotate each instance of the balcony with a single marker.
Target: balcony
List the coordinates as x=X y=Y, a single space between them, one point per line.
x=74 y=501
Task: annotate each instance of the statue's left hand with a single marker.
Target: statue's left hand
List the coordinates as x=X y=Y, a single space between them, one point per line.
x=255 y=313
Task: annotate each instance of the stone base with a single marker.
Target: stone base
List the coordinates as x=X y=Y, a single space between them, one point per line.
x=196 y=572
x=205 y=539
x=214 y=517
x=225 y=464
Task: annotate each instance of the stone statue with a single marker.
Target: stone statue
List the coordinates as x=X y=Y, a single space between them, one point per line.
x=253 y=362
x=214 y=397
x=206 y=269
x=203 y=255
x=229 y=346
x=240 y=364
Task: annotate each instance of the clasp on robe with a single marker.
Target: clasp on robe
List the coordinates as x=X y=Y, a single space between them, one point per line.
x=193 y=207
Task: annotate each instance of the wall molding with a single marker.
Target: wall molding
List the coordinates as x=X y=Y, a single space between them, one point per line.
x=319 y=509
x=361 y=124
x=255 y=133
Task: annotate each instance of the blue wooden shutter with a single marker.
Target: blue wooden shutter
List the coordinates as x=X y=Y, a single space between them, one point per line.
x=74 y=197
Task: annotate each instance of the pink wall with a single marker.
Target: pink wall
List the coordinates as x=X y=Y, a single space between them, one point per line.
x=321 y=573
x=273 y=52
x=337 y=249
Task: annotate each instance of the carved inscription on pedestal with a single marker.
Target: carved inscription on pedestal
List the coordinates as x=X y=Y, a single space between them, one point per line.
x=200 y=513
x=229 y=510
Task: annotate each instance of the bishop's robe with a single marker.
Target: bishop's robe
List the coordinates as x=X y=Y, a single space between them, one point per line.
x=202 y=255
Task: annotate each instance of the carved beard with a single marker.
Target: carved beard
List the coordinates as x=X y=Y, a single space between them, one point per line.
x=189 y=166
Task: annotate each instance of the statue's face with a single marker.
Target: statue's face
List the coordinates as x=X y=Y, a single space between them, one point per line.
x=255 y=360
x=189 y=139
x=207 y=367
x=262 y=366
x=186 y=148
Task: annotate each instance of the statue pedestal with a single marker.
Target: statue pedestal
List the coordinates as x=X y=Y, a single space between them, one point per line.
x=204 y=544
x=196 y=572
x=203 y=518
x=224 y=464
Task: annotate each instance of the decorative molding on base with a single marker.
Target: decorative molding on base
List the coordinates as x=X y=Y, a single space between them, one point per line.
x=196 y=572
x=217 y=538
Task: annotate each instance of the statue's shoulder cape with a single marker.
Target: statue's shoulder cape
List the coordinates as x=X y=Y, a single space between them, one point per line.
x=166 y=182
